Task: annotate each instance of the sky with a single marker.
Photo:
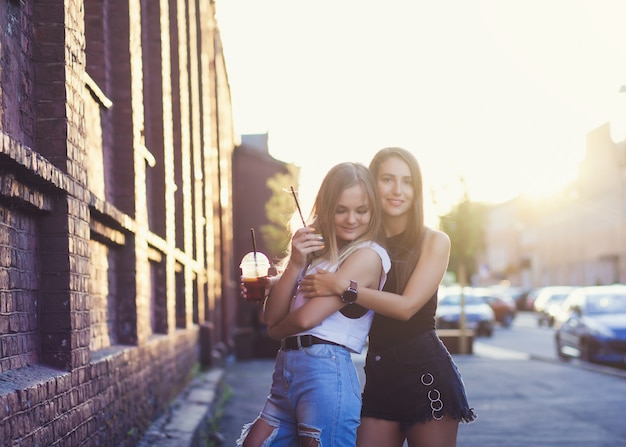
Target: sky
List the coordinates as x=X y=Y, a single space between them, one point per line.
x=500 y=93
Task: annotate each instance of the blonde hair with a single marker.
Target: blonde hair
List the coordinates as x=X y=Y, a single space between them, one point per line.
x=339 y=178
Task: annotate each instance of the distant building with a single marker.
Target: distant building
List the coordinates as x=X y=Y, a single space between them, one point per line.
x=115 y=215
x=576 y=237
x=253 y=166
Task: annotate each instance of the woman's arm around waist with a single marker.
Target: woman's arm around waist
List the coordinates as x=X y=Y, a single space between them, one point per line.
x=422 y=284
x=364 y=266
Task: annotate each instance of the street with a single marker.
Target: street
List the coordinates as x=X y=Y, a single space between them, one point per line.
x=522 y=394
x=582 y=403
x=526 y=337
x=537 y=403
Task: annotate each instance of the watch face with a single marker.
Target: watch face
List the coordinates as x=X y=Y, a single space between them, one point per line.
x=349 y=296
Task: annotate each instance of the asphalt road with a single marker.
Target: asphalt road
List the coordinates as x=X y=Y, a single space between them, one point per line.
x=524 y=335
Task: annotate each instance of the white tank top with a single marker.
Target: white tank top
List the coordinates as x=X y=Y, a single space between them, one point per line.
x=349 y=332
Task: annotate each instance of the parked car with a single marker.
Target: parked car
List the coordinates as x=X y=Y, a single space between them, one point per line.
x=503 y=306
x=510 y=293
x=519 y=296
x=531 y=296
x=547 y=295
x=595 y=328
x=479 y=316
x=551 y=308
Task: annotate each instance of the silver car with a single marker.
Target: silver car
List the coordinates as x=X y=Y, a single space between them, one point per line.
x=479 y=315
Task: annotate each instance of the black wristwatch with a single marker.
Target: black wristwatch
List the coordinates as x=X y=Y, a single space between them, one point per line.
x=350 y=295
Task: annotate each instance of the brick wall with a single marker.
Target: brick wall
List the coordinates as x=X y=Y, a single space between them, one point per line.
x=111 y=406
x=19 y=343
x=115 y=149
x=103 y=295
x=18 y=70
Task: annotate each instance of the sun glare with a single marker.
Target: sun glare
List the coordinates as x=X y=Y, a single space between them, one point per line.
x=472 y=93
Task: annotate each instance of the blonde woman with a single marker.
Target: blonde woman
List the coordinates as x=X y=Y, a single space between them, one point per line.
x=315 y=394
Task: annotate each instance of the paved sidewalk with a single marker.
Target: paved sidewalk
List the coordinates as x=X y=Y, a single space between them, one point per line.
x=189 y=420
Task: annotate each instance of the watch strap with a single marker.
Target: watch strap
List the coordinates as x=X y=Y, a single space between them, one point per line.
x=350 y=295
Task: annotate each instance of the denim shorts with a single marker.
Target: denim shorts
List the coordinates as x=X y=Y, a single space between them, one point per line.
x=315 y=392
x=414 y=382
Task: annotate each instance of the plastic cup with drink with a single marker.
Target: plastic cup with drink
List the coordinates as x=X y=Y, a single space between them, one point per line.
x=254 y=269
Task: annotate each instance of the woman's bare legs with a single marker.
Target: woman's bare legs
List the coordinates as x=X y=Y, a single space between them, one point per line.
x=378 y=432
x=258 y=434
x=434 y=433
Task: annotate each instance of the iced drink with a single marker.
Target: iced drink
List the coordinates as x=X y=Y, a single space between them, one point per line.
x=254 y=269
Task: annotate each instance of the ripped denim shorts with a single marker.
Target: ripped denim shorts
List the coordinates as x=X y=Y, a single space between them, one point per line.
x=315 y=393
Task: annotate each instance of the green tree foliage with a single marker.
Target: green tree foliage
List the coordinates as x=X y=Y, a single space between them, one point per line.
x=279 y=210
x=464 y=224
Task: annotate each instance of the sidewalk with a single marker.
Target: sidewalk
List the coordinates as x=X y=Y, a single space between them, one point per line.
x=520 y=401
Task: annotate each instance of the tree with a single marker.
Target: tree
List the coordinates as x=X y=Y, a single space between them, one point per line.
x=279 y=210
x=464 y=224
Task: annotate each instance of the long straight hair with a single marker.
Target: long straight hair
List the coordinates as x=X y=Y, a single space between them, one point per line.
x=410 y=242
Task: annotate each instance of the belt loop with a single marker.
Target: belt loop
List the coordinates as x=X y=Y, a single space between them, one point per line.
x=299 y=341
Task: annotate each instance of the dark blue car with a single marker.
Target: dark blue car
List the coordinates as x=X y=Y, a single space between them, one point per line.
x=594 y=326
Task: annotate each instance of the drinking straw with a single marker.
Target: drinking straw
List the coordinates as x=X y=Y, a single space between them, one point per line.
x=295 y=197
x=256 y=266
x=253 y=244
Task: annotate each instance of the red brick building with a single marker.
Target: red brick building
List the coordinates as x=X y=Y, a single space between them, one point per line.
x=115 y=214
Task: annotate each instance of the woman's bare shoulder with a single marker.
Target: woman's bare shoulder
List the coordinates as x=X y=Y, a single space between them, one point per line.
x=431 y=232
x=434 y=237
x=367 y=253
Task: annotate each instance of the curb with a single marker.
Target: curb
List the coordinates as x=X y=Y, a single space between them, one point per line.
x=187 y=421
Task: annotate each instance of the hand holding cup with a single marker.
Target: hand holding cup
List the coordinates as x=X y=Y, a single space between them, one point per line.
x=254 y=276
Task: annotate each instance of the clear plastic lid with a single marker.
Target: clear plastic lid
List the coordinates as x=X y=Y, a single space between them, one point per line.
x=254 y=265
